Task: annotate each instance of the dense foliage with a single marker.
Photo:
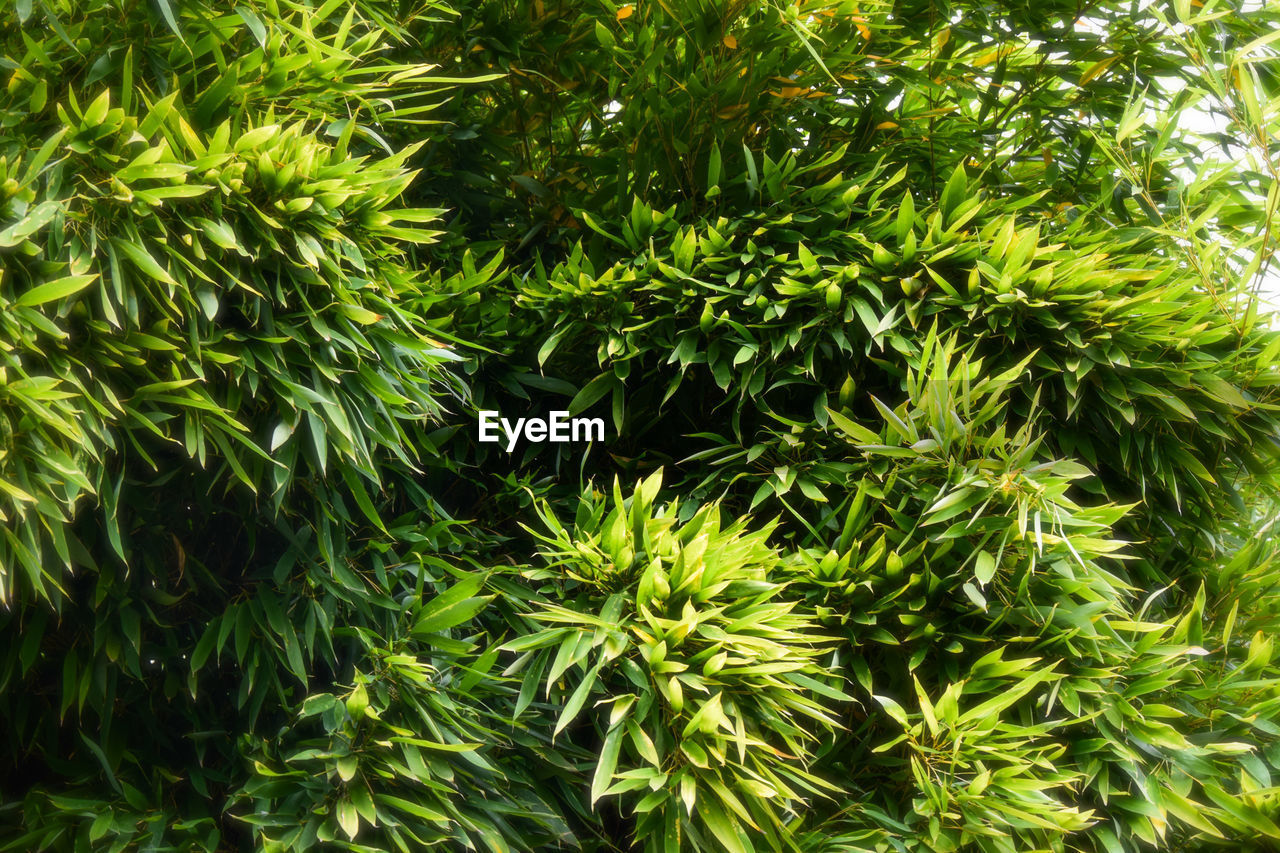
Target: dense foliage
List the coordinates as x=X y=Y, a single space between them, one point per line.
x=934 y=510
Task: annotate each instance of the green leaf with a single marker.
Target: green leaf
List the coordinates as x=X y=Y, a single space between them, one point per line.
x=56 y=289
x=254 y=23
x=361 y=799
x=577 y=700
x=451 y=608
x=860 y=434
x=901 y=427
x=166 y=11
x=412 y=808
x=984 y=567
x=102 y=761
x=550 y=344
x=955 y=192
x=348 y=818
x=37 y=218
x=607 y=762
x=975 y=596
x=906 y=218
x=592 y=392
x=142 y=260
x=358 y=702
x=721 y=825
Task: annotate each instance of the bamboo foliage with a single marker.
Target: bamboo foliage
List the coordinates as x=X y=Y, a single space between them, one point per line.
x=713 y=689
x=936 y=506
